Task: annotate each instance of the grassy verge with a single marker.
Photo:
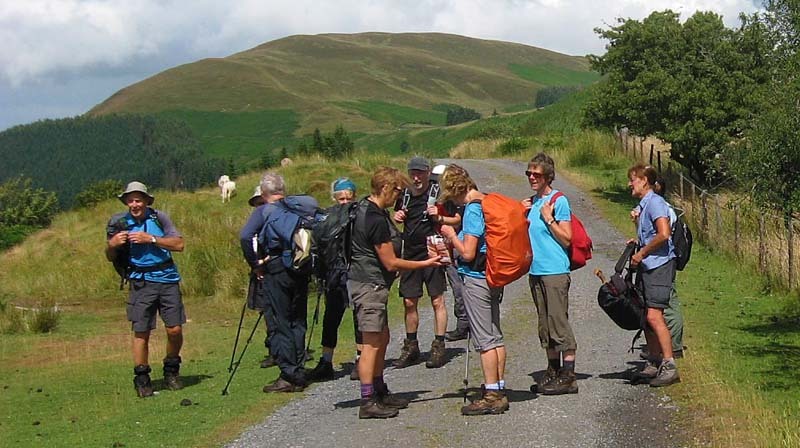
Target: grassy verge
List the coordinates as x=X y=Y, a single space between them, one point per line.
x=740 y=381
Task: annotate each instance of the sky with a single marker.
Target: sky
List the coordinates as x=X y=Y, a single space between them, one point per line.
x=59 y=58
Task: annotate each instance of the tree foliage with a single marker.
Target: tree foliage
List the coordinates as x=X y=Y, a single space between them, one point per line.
x=67 y=155
x=551 y=94
x=458 y=114
x=689 y=84
x=98 y=192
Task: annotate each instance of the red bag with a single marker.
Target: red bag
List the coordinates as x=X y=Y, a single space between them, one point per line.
x=508 y=247
x=580 y=248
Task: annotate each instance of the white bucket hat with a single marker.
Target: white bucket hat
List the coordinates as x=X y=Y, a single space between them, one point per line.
x=136 y=187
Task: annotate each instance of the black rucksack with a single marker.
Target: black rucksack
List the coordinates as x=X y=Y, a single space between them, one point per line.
x=332 y=243
x=620 y=298
x=682 y=242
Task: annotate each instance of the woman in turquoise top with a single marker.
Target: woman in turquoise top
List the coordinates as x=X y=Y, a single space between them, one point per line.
x=481 y=301
x=550 y=232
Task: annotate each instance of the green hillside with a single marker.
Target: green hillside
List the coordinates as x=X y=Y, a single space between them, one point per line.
x=371 y=83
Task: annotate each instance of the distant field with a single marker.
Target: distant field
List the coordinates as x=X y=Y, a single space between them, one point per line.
x=241 y=135
x=553 y=75
x=395 y=114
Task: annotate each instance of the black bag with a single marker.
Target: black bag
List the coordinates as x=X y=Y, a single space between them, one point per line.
x=620 y=298
x=331 y=241
x=682 y=242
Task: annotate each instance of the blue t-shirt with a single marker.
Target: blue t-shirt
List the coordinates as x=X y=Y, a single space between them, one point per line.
x=549 y=257
x=653 y=207
x=148 y=255
x=473 y=223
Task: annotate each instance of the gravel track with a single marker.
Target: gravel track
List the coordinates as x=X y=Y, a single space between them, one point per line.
x=607 y=412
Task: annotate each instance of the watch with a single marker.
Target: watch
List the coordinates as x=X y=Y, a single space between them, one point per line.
x=550 y=223
x=153 y=239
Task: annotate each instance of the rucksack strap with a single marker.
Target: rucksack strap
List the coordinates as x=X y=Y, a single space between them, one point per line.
x=625 y=258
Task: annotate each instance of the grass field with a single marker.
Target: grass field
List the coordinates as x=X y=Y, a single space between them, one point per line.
x=395 y=114
x=553 y=75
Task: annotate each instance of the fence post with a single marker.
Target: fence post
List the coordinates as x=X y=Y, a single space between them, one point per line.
x=704 y=202
x=626 y=143
x=652 y=147
x=736 y=235
x=659 y=158
x=691 y=201
x=790 y=239
x=681 y=187
x=762 y=256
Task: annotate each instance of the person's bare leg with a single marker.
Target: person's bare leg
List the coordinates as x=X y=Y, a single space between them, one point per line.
x=439 y=315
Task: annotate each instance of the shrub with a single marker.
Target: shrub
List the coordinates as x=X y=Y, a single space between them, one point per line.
x=98 y=192
x=45 y=319
x=513 y=145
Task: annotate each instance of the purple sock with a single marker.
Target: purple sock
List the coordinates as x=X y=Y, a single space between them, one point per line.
x=367 y=391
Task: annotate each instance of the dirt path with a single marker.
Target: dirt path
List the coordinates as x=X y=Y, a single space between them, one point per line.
x=607 y=412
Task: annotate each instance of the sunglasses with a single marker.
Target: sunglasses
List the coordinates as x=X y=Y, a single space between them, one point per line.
x=535 y=175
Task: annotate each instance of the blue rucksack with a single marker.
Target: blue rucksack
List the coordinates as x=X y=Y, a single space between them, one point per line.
x=287 y=230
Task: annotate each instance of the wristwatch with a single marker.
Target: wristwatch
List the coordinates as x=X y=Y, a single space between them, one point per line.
x=153 y=239
x=550 y=223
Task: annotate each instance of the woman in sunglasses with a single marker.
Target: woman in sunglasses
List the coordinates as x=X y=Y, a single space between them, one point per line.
x=550 y=232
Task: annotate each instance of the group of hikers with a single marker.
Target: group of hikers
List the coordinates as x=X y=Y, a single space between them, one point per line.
x=379 y=253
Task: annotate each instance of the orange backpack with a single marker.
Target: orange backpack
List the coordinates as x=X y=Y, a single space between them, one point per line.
x=508 y=247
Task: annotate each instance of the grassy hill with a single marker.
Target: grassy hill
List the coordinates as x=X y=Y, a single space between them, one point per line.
x=372 y=83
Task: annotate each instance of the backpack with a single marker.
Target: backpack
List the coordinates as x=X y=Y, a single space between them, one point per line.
x=682 y=242
x=580 y=248
x=331 y=242
x=122 y=262
x=619 y=298
x=508 y=247
x=287 y=229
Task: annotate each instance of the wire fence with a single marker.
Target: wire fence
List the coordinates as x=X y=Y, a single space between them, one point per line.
x=726 y=222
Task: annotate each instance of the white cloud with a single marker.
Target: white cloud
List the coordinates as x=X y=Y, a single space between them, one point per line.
x=46 y=39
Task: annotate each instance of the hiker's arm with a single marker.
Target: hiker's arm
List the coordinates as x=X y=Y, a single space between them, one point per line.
x=117 y=240
x=663 y=233
x=450 y=220
x=252 y=227
x=387 y=257
x=561 y=230
x=467 y=248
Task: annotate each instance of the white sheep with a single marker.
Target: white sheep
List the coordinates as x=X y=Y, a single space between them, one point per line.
x=227 y=186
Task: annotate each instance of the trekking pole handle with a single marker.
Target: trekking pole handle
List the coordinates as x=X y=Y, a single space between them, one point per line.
x=600 y=275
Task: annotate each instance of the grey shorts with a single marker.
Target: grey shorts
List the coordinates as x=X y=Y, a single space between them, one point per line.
x=146 y=298
x=551 y=296
x=370 y=303
x=433 y=278
x=483 y=312
x=656 y=284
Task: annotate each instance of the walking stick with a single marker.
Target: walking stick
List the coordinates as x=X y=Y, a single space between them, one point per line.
x=244 y=349
x=238 y=332
x=315 y=320
x=466 y=366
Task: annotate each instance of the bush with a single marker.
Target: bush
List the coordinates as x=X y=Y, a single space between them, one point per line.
x=45 y=319
x=513 y=145
x=98 y=192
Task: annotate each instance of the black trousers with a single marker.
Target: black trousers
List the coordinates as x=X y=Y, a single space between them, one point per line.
x=286 y=296
x=336 y=300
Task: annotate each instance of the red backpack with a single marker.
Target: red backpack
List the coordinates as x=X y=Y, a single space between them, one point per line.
x=508 y=247
x=580 y=248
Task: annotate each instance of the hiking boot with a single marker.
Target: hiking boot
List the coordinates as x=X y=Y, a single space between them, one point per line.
x=388 y=400
x=549 y=376
x=409 y=354
x=372 y=408
x=492 y=402
x=647 y=373
x=437 y=357
x=172 y=367
x=268 y=361
x=322 y=372
x=667 y=374
x=459 y=334
x=354 y=373
x=565 y=383
x=281 y=385
x=141 y=381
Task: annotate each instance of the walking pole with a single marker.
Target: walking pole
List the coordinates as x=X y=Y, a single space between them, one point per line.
x=466 y=366
x=244 y=349
x=238 y=332
x=315 y=320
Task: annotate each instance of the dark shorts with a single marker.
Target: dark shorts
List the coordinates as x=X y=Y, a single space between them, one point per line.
x=411 y=282
x=147 y=298
x=370 y=303
x=656 y=284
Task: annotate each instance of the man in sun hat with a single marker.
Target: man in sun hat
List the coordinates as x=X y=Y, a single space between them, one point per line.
x=147 y=238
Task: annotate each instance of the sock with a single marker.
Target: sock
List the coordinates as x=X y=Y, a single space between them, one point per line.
x=439 y=338
x=493 y=386
x=327 y=357
x=569 y=365
x=554 y=363
x=502 y=384
x=367 y=390
x=358 y=355
x=669 y=361
x=411 y=336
